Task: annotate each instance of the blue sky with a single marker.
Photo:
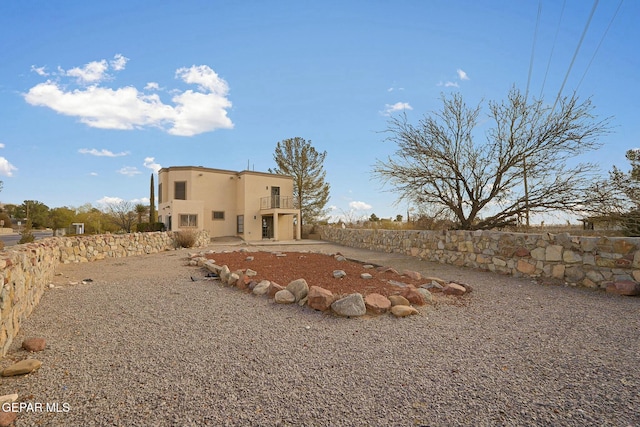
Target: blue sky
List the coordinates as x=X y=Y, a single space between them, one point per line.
x=96 y=96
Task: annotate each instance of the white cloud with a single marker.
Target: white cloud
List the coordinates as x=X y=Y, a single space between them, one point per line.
x=462 y=75
x=39 y=71
x=398 y=106
x=152 y=86
x=141 y=201
x=93 y=173
x=149 y=162
x=106 y=200
x=1 y=145
x=129 y=171
x=126 y=108
x=451 y=84
x=91 y=73
x=6 y=168
x=102 y=153
x=359 y=206
x=118 y=62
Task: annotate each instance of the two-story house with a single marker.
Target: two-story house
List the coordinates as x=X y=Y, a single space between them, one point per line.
x=247 y=204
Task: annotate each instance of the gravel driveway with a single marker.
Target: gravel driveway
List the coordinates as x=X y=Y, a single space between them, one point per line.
x=144 y=345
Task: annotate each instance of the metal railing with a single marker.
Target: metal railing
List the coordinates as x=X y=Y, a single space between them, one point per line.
x=276 y=202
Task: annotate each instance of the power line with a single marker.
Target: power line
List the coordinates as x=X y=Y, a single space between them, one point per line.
x=600 y=43
x=575 y=54
x=533 y=50
x=553 y=47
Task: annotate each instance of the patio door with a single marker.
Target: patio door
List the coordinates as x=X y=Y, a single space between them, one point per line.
x=267 y=227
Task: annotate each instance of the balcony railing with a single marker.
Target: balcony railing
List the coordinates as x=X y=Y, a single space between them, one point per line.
x=276 y=202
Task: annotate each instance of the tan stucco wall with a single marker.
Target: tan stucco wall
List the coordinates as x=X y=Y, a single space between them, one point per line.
x=234 y=193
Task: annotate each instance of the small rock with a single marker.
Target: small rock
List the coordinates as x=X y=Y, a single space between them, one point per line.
x=403 y=310
x=454 y=289
x=412 y=274
x=398 y=300
x=249 y=258
x=7 y=418
x=34 y=344
x=339 y=274
x=51 y=286
x=261 y=288
x=377 y=304
x=396 y=283
x=432 y=285
x=319 y=298
x=8 y=398
x=273 y=289
x=350 y=306
x=387 y=270
x=366 y=276
x=624 y=287
x=284 y=297
x=413 y=296
x=367 y=266
x=22 y=367
x=438 y=280
x=428 y=297
x=340 y=258
x=249 y=272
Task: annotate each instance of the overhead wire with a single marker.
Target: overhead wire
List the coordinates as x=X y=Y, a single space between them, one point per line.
x=600 y=43
x=575 y=54
x=553 y=47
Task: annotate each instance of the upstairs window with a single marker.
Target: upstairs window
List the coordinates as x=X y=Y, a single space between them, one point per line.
x=160 y=193
x=180 y=190
x=217 y=215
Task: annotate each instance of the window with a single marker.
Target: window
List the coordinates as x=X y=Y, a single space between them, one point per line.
x=180 y=190
x=188 y=220
x=217 y=215
x=160 y=193
x=240 y=224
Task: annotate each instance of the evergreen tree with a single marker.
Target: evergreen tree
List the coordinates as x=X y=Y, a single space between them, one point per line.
x=298 y=158
x=152 y=203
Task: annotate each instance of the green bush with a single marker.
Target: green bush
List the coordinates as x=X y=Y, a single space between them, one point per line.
x=27 y=234
x=145 y=227
x=7 y=220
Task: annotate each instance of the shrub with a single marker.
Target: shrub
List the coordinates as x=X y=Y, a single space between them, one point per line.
x=7 y=220
x=144 y=227
x=27 y=234
x=185 y=238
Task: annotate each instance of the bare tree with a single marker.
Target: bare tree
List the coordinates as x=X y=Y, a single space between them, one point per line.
x=524 y=165
x=122 y=214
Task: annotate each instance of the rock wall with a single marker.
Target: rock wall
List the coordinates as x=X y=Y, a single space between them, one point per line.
x=26 y=270
x=593 y=262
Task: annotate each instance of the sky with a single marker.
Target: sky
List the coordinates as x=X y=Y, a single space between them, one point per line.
x=97 y=96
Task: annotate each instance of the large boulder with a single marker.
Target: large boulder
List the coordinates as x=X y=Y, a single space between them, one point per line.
x=284 y=297
x=299 y=288
x=320 y=298
x=412 y=295
x=624 y=287
x=261 y=288
x=403 y=310
x=377 y=304
x=350 y=306
x=398 y=300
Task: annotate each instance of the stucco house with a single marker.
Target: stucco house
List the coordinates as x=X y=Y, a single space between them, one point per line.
x=248 y=204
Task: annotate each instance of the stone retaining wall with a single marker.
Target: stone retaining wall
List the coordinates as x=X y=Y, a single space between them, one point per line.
x=26 y=270
x=593 y=262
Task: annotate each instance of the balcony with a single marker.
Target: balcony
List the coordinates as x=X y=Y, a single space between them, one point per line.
x=276 y=202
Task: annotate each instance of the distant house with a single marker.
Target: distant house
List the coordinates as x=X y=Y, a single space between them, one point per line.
x=250 y=205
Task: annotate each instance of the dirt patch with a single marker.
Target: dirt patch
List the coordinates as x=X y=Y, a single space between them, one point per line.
x=317 y=269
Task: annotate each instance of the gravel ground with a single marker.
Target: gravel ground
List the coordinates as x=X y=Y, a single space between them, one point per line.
x=145 y=345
